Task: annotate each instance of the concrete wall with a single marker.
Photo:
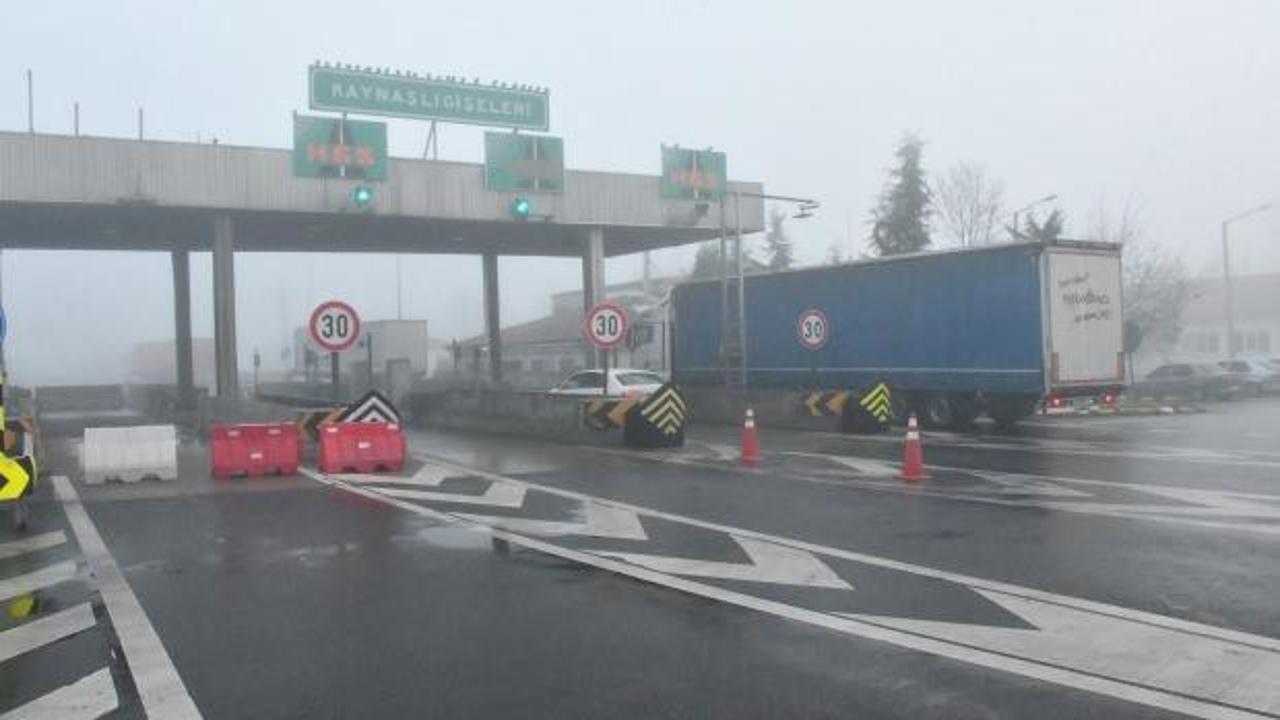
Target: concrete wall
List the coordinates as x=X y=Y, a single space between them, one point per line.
x=772 y=408
x=527 y=414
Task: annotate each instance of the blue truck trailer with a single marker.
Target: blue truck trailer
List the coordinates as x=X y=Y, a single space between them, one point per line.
x=997 y=329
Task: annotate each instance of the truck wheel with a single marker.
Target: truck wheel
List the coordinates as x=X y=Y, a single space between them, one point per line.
x=939 y=411
x=1007 y=411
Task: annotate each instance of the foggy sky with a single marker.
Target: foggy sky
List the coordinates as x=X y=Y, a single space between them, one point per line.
x=1169 y=106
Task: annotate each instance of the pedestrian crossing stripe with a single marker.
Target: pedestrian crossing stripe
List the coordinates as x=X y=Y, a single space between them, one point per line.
x=665 y=410
x=877 y=402
x=372 y=407
x=820 y=403
x=33 y=626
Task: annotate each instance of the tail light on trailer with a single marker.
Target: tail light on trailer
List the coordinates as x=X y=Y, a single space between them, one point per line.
x=1109 y=399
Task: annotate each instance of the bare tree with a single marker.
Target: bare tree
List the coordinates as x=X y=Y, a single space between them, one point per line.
x=835 y=252
x=970 y=204
x=1157 y=287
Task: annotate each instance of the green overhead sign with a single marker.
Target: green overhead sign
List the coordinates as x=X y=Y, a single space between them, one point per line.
x=523 y=163
x=345 y=89
x=331 y=147
x=693 y=174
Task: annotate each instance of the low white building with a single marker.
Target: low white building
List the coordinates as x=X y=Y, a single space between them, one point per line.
x=399 y=342
x=1255 y=311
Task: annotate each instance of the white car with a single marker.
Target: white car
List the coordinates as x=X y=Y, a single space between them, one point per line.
x=622 y=382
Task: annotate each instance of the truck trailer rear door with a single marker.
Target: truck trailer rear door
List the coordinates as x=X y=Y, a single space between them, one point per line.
x=1086 y=345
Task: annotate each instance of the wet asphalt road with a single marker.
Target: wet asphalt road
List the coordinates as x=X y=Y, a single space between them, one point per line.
x=1122 y=567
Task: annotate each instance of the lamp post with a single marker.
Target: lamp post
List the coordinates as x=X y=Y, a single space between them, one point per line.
x=1028 y=206
x=1226 y=274
x=805 y=206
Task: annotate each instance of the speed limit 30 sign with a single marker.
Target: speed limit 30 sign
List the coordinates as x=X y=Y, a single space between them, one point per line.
x=606 y=325
x=812 y=329
x=334 y=326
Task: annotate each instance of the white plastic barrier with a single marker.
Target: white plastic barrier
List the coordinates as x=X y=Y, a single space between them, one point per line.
x=130 y=453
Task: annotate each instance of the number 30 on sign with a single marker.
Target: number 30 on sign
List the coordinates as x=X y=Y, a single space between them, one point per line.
x=812 y=329
x=334 y=326
x=606 y=325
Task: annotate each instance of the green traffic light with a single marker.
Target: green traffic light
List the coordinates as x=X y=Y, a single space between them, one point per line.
x=362 y=196
x=520 y=208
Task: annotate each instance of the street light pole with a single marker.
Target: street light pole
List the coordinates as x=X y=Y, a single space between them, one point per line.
x=742 y=294
x=1028 y=206
x=807 y=206
x=1226 y=275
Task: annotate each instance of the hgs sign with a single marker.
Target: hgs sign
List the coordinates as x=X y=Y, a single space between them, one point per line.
x=331 y=147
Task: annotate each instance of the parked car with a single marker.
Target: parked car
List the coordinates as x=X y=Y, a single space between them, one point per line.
x=1194 y=381
x=1255 y=376
x=622 y=381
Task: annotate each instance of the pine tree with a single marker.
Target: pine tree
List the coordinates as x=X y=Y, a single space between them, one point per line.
x=706 y=263
x=901 y=220
x=777 y=244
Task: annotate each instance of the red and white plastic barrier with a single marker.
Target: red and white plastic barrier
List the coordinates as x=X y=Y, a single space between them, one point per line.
x=257 y=449
x=359 y=447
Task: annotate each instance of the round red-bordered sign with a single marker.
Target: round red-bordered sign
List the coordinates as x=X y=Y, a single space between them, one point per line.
x=606 y=325
x=334 y=326
x=812 y=329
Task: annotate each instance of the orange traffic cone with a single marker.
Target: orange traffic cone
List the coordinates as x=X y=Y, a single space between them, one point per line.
x=913 y=453
x=750 y=443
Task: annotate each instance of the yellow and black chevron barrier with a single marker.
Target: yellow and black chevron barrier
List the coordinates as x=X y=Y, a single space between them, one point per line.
x=665 y=410
x=659 y=420
x=825 y=403
x=607 y=413
x=877 y=401
x=16 y=473
x=309 y=421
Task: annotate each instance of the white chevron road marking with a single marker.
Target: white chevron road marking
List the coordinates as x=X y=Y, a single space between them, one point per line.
x=770 y=563
x=599 y=521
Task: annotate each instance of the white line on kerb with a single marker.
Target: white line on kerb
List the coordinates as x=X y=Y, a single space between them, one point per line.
x=160 y=688
x=1056 y=674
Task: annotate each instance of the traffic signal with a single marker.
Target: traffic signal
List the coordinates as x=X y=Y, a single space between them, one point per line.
x=362 y=196
x=520 y=208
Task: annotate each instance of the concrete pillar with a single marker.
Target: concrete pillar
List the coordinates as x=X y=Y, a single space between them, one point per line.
x=593 y=282
x=182 y=328
x=492 y=321
x=224 y=307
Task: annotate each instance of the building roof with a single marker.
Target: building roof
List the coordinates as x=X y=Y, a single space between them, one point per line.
x=1254 y=298
x=553 y=329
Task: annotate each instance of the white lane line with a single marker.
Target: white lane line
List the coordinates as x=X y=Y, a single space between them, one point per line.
x=160 y=688
x=1243 y=458
x=851 y=626
x=44 y=630
x=1038 y=484
x=975 y=582
x=36 y=579
x=31 y=544
x=1121 y=650
x=90 y=697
